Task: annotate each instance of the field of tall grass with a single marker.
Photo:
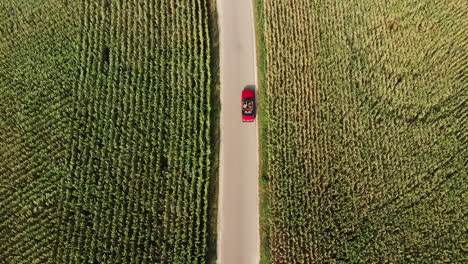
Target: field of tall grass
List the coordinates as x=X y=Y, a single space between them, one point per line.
x=106 y=147
x=363 y=123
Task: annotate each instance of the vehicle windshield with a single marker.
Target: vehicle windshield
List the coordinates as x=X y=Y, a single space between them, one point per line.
x=248 y=106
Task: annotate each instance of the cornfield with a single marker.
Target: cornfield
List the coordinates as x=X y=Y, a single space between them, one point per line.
x=364 y=131
x=105 y=131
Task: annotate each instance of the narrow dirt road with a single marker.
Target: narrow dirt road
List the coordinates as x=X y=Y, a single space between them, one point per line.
x=238 y=228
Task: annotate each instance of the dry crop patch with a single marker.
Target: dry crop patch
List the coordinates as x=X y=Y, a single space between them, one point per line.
x=366 y=139
x=105 y=120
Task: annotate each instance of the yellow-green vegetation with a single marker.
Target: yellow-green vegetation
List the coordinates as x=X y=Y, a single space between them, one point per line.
x=105 y=131
x=364 y=131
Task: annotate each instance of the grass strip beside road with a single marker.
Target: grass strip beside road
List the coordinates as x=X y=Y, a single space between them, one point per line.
x=262 y=117
x=215 y=130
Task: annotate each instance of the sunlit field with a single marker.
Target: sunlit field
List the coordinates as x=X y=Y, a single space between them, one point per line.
x=364 y=131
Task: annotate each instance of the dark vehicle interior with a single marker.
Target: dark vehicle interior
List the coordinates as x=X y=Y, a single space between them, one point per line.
x=248 y=106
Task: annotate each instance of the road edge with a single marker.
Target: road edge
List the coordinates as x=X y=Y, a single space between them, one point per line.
x=253 y=8
x=260 y=50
